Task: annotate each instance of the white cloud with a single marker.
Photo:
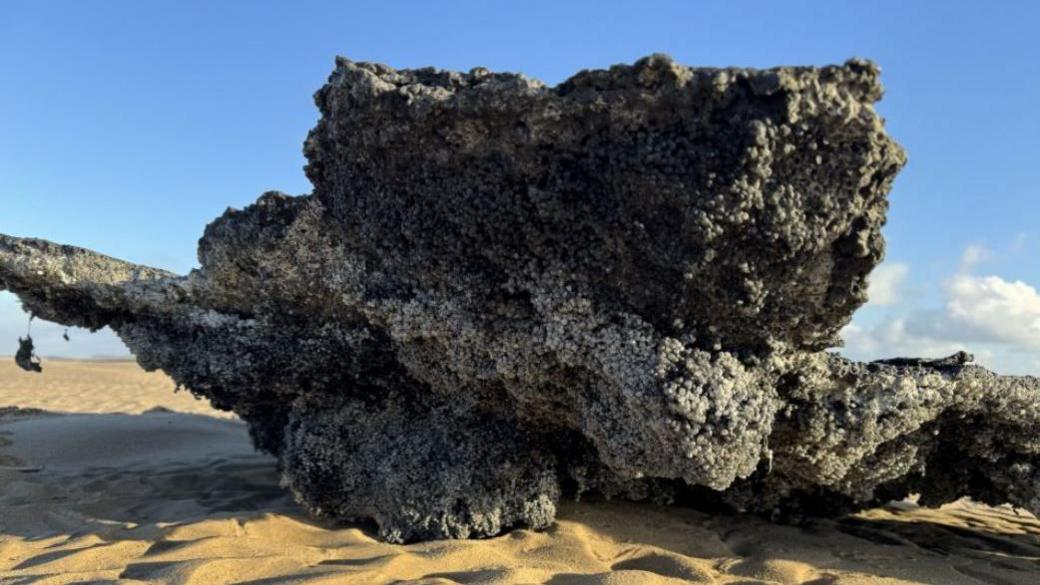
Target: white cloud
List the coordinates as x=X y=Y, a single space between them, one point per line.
x=972 y=257
x=1002 y=310
x=892 y=338
x=886 y=283
x=996 y=319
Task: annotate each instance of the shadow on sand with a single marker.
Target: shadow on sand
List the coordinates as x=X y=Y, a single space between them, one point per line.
x=170 y=497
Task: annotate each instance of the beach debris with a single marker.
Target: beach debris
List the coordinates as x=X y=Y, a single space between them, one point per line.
x=500 y=294
x=26 y=357
x=952 y=361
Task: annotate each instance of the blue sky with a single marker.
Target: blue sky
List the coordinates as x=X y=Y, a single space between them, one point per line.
x=126 y=126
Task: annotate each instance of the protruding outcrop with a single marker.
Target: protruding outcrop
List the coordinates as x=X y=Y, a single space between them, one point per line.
x=501 y=293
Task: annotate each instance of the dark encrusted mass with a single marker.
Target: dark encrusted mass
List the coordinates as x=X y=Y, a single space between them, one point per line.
x=502 y=293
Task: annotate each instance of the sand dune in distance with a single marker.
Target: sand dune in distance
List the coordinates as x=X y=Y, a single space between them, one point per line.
x=178 y=496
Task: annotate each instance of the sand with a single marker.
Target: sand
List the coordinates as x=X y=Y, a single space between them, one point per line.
x=173 y=493
x=95 y=387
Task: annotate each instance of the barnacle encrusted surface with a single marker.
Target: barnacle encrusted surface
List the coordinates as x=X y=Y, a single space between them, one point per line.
x=502 y=293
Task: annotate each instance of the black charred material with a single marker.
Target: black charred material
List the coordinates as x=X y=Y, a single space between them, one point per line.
x=26 y=357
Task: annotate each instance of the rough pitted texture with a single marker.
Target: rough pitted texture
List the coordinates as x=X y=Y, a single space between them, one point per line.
x=746 y=204
x=501 y=293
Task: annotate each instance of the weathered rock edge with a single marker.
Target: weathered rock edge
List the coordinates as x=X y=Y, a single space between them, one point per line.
x=500 y=293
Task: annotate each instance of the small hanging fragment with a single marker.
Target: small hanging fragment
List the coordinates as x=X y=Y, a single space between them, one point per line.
x=26 y=358
x=65 y=335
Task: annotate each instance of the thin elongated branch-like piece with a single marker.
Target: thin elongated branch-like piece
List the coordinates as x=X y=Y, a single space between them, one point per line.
x=76 y=286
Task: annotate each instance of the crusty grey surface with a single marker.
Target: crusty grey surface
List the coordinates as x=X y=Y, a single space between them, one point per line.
x=747 y=205
x=502 y=293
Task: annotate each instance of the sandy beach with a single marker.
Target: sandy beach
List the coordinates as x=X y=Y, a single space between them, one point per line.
x=124 y=481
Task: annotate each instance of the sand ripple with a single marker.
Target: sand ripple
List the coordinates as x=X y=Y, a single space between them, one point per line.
x=181 y=498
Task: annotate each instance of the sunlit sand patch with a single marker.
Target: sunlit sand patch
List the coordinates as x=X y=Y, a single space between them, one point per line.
x=95 y=386
x=181 y=498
